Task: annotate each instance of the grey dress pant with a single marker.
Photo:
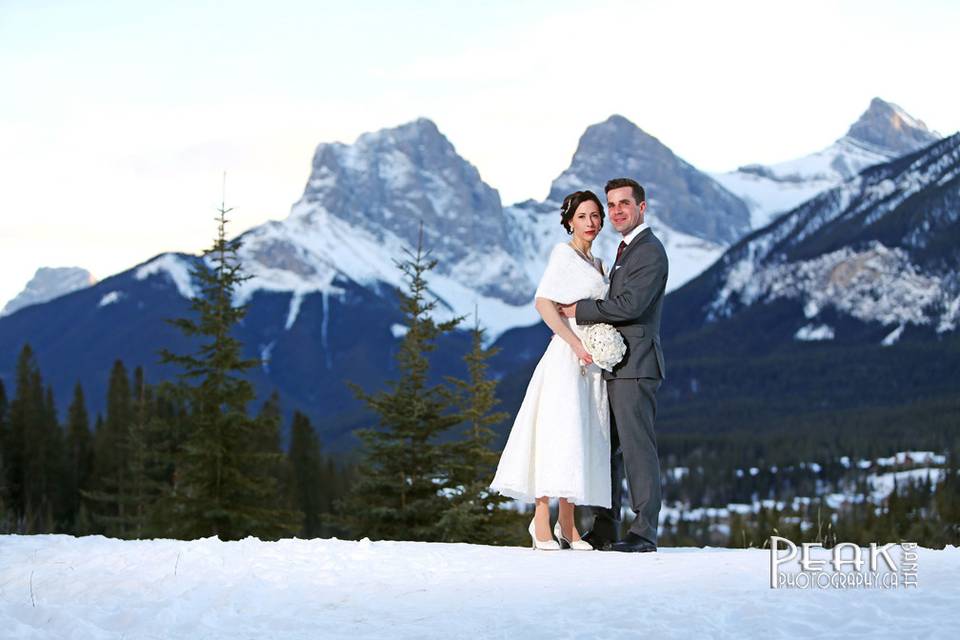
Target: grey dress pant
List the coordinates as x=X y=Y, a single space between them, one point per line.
x=633 y=453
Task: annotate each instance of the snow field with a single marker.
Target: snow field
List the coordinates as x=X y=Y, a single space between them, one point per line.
x=57 y=586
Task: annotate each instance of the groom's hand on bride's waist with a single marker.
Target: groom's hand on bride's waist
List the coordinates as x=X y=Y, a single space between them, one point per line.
x=568 y=310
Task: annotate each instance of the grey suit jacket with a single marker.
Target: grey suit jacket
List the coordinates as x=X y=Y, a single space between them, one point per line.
x=633 y=305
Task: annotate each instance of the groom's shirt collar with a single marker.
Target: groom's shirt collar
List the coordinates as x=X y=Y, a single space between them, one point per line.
x=636 y=231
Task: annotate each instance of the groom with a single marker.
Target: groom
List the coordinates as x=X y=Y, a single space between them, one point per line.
x=638 y=280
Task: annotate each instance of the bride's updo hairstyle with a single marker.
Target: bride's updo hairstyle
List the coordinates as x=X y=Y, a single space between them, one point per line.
x=572 y=202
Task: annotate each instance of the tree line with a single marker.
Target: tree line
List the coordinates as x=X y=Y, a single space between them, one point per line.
x=777 y=467
x=187 y=458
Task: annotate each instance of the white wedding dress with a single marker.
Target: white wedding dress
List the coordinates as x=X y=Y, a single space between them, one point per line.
x=559 y=445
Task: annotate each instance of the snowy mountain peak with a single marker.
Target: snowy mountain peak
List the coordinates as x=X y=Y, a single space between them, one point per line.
x=49 y=283
x=887 y=128
x=678 y=194
x=362 y=209
x=389 y=180
x=600 y=145
x=882 y=133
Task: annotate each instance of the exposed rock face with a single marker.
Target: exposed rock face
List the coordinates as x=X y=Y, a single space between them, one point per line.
x=684 y=198
x=890 y=129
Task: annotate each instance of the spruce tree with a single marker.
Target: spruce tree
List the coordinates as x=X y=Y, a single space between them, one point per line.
x=79 y=452
x=223 y=484
x=33 y=438
x=53 y=466
x=306 y=461
x=278 y=467
x=145 y=460
x=6 y=519
x=110 y=500
x=400 y=488
x=21 y=415
x=140 y=459
x=476 y=514
x=169 y=425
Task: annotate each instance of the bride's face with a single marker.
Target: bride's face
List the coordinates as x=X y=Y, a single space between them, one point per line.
x=586 y=221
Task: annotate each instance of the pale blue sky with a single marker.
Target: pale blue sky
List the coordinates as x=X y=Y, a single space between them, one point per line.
x=118 y=118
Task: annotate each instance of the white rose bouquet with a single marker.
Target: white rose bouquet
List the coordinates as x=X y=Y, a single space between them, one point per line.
x=604 y=344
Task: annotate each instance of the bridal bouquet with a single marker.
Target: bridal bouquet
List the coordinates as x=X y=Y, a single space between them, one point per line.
x=604 y=344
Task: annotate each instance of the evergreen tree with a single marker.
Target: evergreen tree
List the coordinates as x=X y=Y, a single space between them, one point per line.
x=79 y=452
x=278 y=468
x=33 y=442
x=22 y=414
x=53 y=467
x=223 y=481
x=6 y=515
x=400 y=489
x=143 y=489
x=307 y=463
x=111 y=499
x=165 y=419
x=145 y=462
x=476 y=514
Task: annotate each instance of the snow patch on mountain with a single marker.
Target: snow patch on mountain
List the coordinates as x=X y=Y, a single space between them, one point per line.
x=892 y=337
x=174 y=267
x=265 y=353
x=309 y=254
x=876 y=284
x=109 y=298
x=811 y=333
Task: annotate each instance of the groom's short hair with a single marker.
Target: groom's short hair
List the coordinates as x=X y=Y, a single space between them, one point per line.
x=638 y=194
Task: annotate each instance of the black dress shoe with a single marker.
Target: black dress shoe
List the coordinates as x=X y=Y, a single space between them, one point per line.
x=634 y=544
x=596 y=541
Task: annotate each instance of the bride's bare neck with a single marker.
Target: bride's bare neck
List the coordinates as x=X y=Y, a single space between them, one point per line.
x=582 y=247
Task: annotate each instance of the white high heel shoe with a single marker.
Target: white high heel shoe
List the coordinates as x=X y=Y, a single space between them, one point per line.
x=548 y=545
x=576 y=545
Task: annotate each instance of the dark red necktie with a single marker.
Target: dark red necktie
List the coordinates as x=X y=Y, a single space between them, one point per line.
x=623 y=245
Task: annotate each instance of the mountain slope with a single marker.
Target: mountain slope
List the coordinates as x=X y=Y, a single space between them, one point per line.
x=880 y=248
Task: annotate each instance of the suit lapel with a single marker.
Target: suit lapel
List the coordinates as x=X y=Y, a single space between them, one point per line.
x=641 y=237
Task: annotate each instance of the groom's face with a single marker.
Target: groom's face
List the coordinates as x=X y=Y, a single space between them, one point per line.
x=625 y=213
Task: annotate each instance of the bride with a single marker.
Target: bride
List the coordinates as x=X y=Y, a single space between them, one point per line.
x=559 y=446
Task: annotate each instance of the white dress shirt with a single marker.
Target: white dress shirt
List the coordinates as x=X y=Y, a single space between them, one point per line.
x=636 y=231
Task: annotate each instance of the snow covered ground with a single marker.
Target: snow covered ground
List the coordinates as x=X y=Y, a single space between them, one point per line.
x=56 y=586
